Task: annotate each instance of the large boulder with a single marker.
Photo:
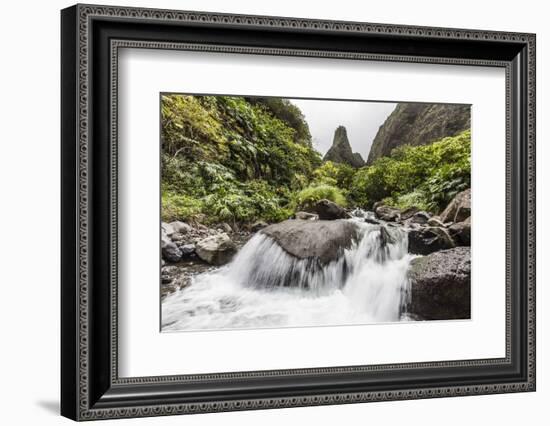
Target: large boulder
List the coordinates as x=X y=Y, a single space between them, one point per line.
x=429 y=239
x=321 y=239
x=327 y=210
x=459 y=209
x=387 y=213
x=216 y=250
x=440 y=285
x=461 y=232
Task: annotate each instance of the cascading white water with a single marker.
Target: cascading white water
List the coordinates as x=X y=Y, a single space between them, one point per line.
x=266 y=287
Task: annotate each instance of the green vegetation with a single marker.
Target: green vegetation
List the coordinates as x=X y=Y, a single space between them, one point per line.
x=427 y=176
x=238 y=159
x=228 y=159
x=308 y=197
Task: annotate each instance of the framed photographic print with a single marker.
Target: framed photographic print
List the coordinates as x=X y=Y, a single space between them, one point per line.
x=263 y=212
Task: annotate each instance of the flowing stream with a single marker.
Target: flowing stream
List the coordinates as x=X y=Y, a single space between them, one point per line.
x=266 y=287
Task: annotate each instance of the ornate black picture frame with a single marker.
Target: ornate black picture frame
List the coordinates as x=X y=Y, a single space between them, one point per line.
x=91 y=36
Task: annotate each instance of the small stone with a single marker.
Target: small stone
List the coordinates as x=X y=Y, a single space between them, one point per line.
x=181 y=227
x=420 y=217
x=408 y=213
x=216 y=249
x=187 y=249
x=225 y=227
x=372 y=221
x=387 y=213
x=435 y=221
x=256 y=226
x=176 y=236
x=171 y=252
x=305 y=216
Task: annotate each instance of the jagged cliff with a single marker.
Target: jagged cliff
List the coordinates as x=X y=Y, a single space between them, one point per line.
x=340 y=151
x=418 y=124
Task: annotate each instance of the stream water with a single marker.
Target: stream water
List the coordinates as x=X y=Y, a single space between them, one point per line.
x=366 y=284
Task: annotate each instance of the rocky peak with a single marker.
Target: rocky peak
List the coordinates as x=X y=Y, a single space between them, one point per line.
x=418 y=124
x=340 y=151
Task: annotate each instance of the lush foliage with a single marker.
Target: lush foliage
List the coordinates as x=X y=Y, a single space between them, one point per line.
x=427 y=176
x=340 y=175
x=228 y=159
x=240 y=159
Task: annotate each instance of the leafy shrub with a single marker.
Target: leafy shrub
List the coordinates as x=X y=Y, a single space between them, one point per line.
x=307 y=197
x=233 y=158
x=445 y=183
x=334 y=174
x=412 y=199
x=433 y=173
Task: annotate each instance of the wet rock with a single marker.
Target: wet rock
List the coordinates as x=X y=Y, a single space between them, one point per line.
x=176 y=236
x=435 y=221
x=171 y=252
x=427 y=240
x=225 y=227
x=216 y=250
x=167 y=274
x=460 y=232
x=176 y=227
x=321 y=239
x=420 y=217
x=387 y=213
x=458 y=209
x=357 y=212
x=305 y=216
x=372 y=220
x=187 y=250
x=409 y=212
x=385 y=237
x=327 y=210
x=167 y=229
x=256 y=226
x=440 y=285
x=376 y=205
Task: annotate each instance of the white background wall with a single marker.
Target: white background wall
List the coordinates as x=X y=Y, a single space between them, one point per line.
x=29 y=212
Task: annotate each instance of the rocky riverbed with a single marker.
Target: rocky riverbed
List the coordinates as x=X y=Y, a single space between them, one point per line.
x=438 y=274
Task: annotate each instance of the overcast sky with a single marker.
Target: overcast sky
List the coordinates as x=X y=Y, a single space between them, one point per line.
x=361 y=120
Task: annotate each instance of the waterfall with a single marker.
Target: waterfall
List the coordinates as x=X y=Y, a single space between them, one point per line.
x=266 y=287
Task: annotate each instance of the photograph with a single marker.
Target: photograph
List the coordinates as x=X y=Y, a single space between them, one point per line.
x=263 y=209
x=287 y=212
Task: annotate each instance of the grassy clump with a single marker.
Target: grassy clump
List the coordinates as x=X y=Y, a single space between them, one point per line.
x=308 y=197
